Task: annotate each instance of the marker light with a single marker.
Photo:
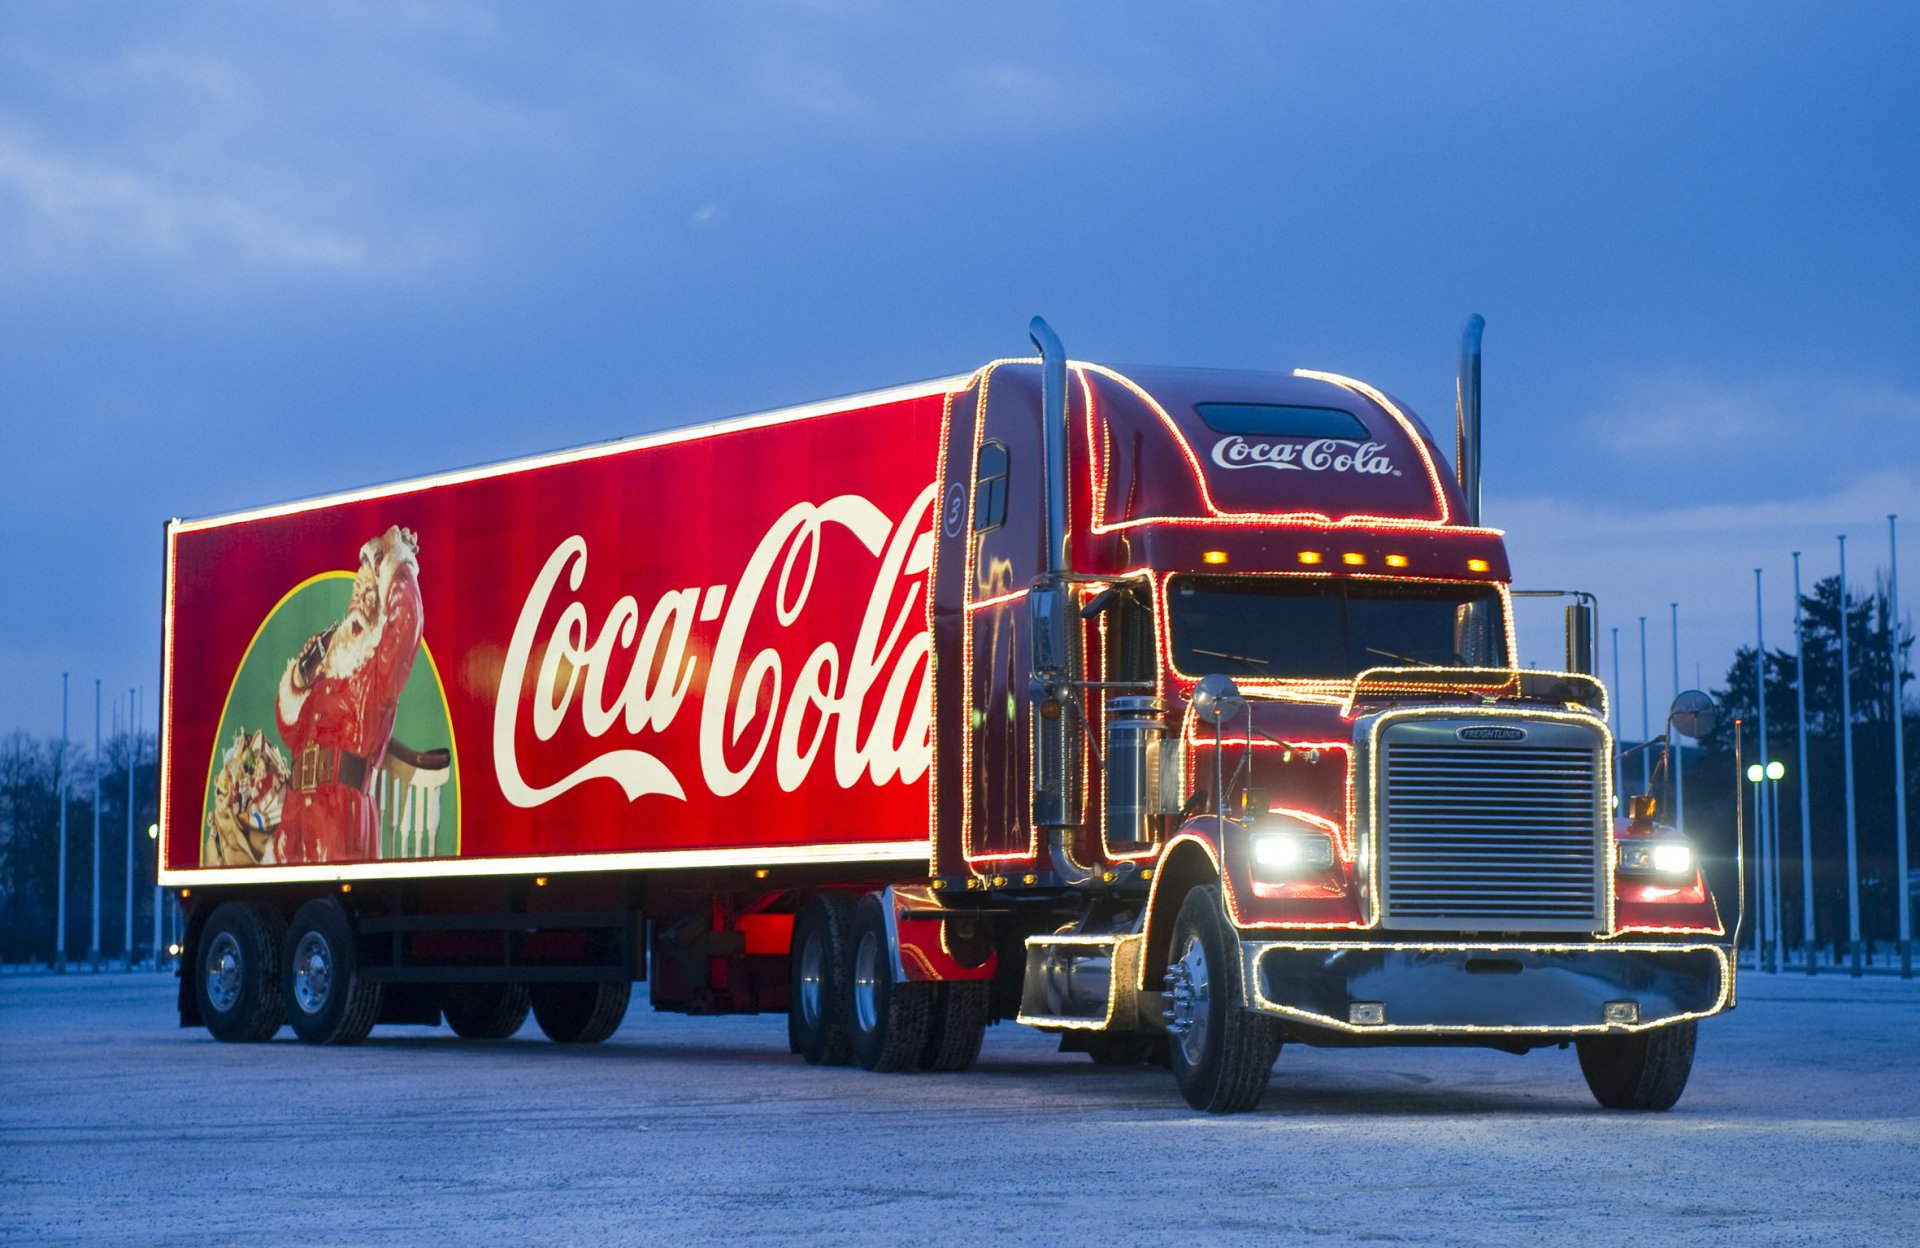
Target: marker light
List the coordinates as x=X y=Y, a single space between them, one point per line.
x=1309 y=556
x=153 y=831
x=1396 y=561
x=1776 y=769
x=1754 y=773
x=1476 y=565
x=1214 y=556
x=1287 y=854
x=1353 y=559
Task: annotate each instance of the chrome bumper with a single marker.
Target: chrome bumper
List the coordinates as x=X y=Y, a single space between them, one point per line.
x=1546 y=990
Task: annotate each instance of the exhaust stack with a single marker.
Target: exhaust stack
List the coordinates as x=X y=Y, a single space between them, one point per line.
x=1053 y=421
x=1466 y=449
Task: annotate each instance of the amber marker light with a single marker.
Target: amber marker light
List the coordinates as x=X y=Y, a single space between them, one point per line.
x=1309 y=556
x=760 y=874
x=1396 y=561
x=1353 y=559
x=1476 y=565
x=539 y=881
x=1214 y=556
x=346 y=888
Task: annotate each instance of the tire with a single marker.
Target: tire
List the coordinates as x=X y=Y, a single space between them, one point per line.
x=485 y=1011
x=238 y=983
x=328 y=1001
x=1223 y=1054
x=820 y=969
x=580 y=1013
x=958 y=1025
x=888 y=1022
x=1647 y=1070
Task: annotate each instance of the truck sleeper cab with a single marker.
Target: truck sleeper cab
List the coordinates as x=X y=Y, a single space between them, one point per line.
x=1225 y=745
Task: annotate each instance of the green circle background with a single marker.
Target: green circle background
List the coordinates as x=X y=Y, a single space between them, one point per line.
x=420 y=722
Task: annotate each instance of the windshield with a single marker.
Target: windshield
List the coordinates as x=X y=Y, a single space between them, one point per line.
x=1304 y=628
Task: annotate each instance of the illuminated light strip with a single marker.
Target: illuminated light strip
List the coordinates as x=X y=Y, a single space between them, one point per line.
x=691 y=433
x=1116 y=968
x=1512 y=678
x=659 y=859
x=1385 y=718
x=933 y=680
x=166 y=705
x=1314 y=518
x=1406 y=426
x=1251 y=951
x=983 y=603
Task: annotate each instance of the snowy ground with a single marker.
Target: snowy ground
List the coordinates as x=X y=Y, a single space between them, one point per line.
x=1802 y=1125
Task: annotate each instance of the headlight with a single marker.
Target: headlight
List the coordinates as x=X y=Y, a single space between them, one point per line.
x=1668 y=857
x=1288 y=854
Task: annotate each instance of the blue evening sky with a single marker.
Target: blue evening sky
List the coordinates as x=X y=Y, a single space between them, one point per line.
x=251 y=252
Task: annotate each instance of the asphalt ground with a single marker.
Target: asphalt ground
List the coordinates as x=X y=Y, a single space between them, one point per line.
x=1801 y=1126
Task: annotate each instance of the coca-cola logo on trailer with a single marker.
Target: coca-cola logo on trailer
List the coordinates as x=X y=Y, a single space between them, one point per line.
x=868 y=706
x=1319 y=455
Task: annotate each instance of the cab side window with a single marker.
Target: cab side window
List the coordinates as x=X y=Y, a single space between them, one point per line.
x=990 y=489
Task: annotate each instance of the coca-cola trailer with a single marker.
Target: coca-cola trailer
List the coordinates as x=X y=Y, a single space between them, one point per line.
x=1173 y=711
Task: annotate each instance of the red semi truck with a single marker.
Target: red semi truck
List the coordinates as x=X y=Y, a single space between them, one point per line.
x=1174 y=711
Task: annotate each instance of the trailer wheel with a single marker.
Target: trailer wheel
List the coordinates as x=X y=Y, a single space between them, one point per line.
x=580 y=1013
x=958 y=1025
x=1646 y=1070
x=819 y=967
x=485 y=1011
x=1221 y=1052
x=328 y=1001
x=889 y=1020
x=237 y=981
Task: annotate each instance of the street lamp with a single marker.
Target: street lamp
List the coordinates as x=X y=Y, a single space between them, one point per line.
x=1756 y=772
x=1776 y=948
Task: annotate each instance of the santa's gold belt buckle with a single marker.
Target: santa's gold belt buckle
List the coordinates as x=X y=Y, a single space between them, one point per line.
x=308 y=778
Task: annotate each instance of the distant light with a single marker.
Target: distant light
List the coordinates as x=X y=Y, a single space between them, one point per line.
x=1214 y=556
x=173 y=951
x=153 y=831
x=1396 y=561
x=1754 y=773
x=1776 y=769
x=1309 y=556
x=1476 y=565
x=1353 y=559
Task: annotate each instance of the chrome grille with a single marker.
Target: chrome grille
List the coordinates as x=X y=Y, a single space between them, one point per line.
x=1492 y=835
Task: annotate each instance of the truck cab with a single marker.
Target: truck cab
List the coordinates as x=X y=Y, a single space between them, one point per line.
x=1229 y=736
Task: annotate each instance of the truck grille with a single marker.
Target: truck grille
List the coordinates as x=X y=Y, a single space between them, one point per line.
x=1492 y=835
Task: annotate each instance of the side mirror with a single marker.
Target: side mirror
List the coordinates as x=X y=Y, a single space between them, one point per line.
x=1694 y=714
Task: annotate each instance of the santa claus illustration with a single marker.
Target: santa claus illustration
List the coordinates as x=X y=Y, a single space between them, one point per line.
x=336 y=706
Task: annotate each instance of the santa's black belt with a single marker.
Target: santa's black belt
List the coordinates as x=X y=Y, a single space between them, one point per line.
x=318 y=765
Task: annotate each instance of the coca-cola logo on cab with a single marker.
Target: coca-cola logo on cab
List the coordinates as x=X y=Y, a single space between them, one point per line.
x=1319 y=455
x=864 y=700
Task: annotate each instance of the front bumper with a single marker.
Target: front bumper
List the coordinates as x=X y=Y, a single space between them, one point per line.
x=1466 y=989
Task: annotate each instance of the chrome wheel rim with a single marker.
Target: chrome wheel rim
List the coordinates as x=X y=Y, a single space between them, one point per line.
x=312 y=973
x=223 y=972
x=813 y=961
x=866 y=982
x=1190 y=992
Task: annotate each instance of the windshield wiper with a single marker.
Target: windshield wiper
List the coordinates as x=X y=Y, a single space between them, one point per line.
x=1411 y=662
x=1237 y=658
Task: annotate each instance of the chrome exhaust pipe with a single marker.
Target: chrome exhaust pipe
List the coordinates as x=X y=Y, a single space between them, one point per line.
x=1466 y=397
x=1053 y=422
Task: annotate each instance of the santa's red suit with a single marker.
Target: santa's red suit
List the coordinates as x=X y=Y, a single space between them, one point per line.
x=336 y=714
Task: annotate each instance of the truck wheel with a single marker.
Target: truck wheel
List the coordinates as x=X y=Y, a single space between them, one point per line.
x=819 y=968
x=1646 y=1070
x=958 y=1025
x=239 y=953
x=328 y=1001
x=1220 y=1051
x=485 y=1011
x=889 y=1020
x=580 y=1013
